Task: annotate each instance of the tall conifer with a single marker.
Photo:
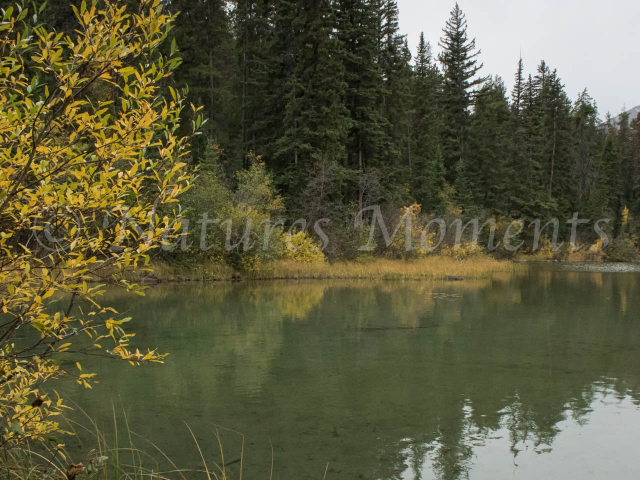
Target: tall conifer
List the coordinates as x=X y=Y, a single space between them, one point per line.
x=460 y=67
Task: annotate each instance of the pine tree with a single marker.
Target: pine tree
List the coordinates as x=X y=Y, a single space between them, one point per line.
x=610 y=194
x=489 y=141
x=399 y=109
x=436 y=198
x=203 y=35
x=635 y=172
x=528 y=194
x=623 y=145
x=394 y=58
x=519 y=162
x=517 y=96
x=460 y=67
x=586 y=133
x=635 y=152
x=316 y=121
x=428 y=171
x=358 y=25
x=558 y=156
x=547 y=185
x=253 y=32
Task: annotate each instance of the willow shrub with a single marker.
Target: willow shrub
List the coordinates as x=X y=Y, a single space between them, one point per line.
x=86 y=139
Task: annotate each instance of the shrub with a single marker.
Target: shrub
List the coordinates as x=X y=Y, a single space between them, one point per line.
x=302 y=248
x=71 y=159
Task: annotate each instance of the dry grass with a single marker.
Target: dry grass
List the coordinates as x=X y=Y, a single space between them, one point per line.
x=433 y=267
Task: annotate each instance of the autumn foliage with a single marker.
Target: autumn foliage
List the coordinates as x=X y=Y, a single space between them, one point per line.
x=89 y=154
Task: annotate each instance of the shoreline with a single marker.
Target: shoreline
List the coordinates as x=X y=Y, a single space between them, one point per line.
x=429 y=268
x=436 y=267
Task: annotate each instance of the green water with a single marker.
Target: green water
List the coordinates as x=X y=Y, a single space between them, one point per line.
x=529 y=376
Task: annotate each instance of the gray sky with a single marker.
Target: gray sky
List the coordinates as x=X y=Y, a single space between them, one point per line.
x=593 y=44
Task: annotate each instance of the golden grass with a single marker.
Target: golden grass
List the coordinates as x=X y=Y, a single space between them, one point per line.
x=582 y=256
x=433 y=267
x=430 y=267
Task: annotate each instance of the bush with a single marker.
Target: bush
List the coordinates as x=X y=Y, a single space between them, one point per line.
x=67 y=165
x=302 y=248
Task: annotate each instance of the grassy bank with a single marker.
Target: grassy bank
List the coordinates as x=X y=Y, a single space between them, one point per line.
x=433 y=267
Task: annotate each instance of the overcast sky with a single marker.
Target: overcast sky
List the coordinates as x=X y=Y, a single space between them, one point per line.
x=593 y=44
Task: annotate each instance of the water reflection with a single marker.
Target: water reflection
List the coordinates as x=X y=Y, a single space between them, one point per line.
x=392 y=380
x=584 y=448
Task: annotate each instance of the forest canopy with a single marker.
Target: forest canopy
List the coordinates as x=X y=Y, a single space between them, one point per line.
x=342 y=113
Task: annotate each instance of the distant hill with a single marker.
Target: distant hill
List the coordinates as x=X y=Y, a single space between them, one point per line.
x=633 y=113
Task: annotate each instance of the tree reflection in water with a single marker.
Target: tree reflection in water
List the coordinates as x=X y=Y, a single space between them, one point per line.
x=383 y=380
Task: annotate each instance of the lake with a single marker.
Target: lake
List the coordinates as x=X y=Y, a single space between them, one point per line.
x=526 y=376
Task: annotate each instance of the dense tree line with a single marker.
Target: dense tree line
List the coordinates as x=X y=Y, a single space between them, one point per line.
x=328 y=94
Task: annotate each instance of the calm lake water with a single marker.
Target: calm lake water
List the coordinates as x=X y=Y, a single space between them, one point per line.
x=530 y=376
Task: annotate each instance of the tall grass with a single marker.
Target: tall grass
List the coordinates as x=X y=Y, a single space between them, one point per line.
x=114 y=456
x=432 y=267
x=436 y=267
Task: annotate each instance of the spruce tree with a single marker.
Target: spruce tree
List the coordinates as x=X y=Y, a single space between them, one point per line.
x=394 y=59
x=358 y=25
x=460 y=67
x=610 y=181
x=427 y=170
x=316 y=122
x=519 y=162
x=399 y=109
x=489 y=141
x=517 y=96
x=528 y=195
x=268 y=72
x=586 y=133
x=558 y=155
x=623 y=145
x=204 y=37
x=635 y=171
x=253 y=32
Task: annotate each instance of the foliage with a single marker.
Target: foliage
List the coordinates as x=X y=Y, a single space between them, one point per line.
x=343 y=116
x=252 y=217
x=463 y=251
x=411 y=230
x=74 y=161
x=622 y=249
x=301 y=248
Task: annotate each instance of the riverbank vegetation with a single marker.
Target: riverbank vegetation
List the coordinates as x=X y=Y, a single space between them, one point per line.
x=435 y=267
x=72 y=159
